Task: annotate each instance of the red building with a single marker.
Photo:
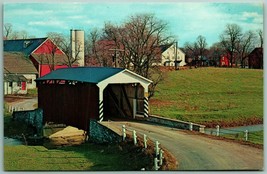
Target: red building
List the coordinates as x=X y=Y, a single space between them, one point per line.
x=255 y=58
x=44 y=54
x=224 y=61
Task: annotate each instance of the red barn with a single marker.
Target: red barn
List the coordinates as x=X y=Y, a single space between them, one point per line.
x=224 y=60
x=255 y=59
x=44 y=54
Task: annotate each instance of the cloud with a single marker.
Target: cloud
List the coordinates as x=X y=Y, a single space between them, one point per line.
x=252 y=17
x=209 y=20
x=48 y=23
x=28 y=12
x=186 y=20
x=77 y=17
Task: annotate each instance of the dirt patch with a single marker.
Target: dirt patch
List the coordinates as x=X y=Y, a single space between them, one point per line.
x=172 y=68
x=233 y=123
x=15 y=98
x=160 y=103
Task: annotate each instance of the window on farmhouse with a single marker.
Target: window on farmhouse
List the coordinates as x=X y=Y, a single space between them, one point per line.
x=29 y=81
x=19 y=84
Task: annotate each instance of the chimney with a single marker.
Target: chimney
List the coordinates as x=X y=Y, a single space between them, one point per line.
x=77 y=45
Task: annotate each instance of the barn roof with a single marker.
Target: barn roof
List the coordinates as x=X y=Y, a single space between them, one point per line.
x=59 y=59
x=26 y=46
x=18 y=64
x=82 y=74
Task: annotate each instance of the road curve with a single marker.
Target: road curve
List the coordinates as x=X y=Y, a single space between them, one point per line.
x=196 y=152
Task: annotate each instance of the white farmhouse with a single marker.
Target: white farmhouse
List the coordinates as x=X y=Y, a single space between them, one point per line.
x=168 y=55
x=19 y=74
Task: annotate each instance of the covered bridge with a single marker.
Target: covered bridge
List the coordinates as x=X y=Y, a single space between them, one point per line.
x=75 y=95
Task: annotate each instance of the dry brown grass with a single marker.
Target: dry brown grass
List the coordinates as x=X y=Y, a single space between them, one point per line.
x=148 y=154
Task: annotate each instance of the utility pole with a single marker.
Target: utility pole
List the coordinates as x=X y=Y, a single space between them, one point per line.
x=115 y=55
x=176 y=61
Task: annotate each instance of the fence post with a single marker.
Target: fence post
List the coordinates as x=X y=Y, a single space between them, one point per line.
x=191 y=126
x=217 y=130
x=161 y=157
x=157 y=148
x=156 y=167
x=123 y=133
x=134 y=137
x=145 y=141
x=246 y=135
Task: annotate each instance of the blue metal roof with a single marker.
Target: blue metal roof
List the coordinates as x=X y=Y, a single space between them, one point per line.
x=26 y=46
x=82 y=74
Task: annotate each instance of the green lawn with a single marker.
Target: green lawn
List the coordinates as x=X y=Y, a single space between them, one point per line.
x=88 y=156
x=256 y=137
x=211 y=95
x=253 y=137
x=84 y=157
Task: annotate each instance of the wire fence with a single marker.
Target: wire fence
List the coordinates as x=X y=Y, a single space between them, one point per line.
x=254 y=137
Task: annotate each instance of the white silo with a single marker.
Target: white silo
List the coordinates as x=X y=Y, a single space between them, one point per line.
x=77 y=45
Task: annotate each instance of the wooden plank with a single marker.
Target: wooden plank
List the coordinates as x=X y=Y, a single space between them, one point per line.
x=127 y=98
x=114 y=98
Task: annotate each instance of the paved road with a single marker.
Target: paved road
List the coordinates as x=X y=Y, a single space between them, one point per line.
x=196 y=152
x=26 y=104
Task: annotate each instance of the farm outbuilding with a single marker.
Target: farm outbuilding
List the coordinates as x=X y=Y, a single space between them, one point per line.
x=75 y=95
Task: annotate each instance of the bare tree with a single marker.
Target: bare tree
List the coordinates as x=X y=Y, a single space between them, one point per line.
x=99 y=49
x=191 y=52
x=215 y=52
x=197 y=49
x=140 y=37
x=201 y=45
x=230 y=38
x=57 y=38
x=23 y=34
x=260 y=37
x=15 y=35
x=138 y=40
x=63 y=42
x=245 y=46
x=7 y=30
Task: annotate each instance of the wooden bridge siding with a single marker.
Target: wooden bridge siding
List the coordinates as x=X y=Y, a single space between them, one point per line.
x=69 y=104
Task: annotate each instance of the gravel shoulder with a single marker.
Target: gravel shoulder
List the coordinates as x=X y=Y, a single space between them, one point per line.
x=25 y=103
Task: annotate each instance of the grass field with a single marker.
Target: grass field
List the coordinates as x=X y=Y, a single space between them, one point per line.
x=84 y=157
x=253 y=137
x=123 y=156
x=211 y=96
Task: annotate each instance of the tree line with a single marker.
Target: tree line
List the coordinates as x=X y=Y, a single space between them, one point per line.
x=232 y=42
x=134 y=45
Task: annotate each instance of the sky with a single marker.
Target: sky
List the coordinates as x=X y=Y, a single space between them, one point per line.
x=186 y=20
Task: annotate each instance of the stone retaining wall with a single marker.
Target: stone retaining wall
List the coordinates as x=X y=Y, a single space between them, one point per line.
x=175 y=123
x=31 y=117
x=101 y=134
